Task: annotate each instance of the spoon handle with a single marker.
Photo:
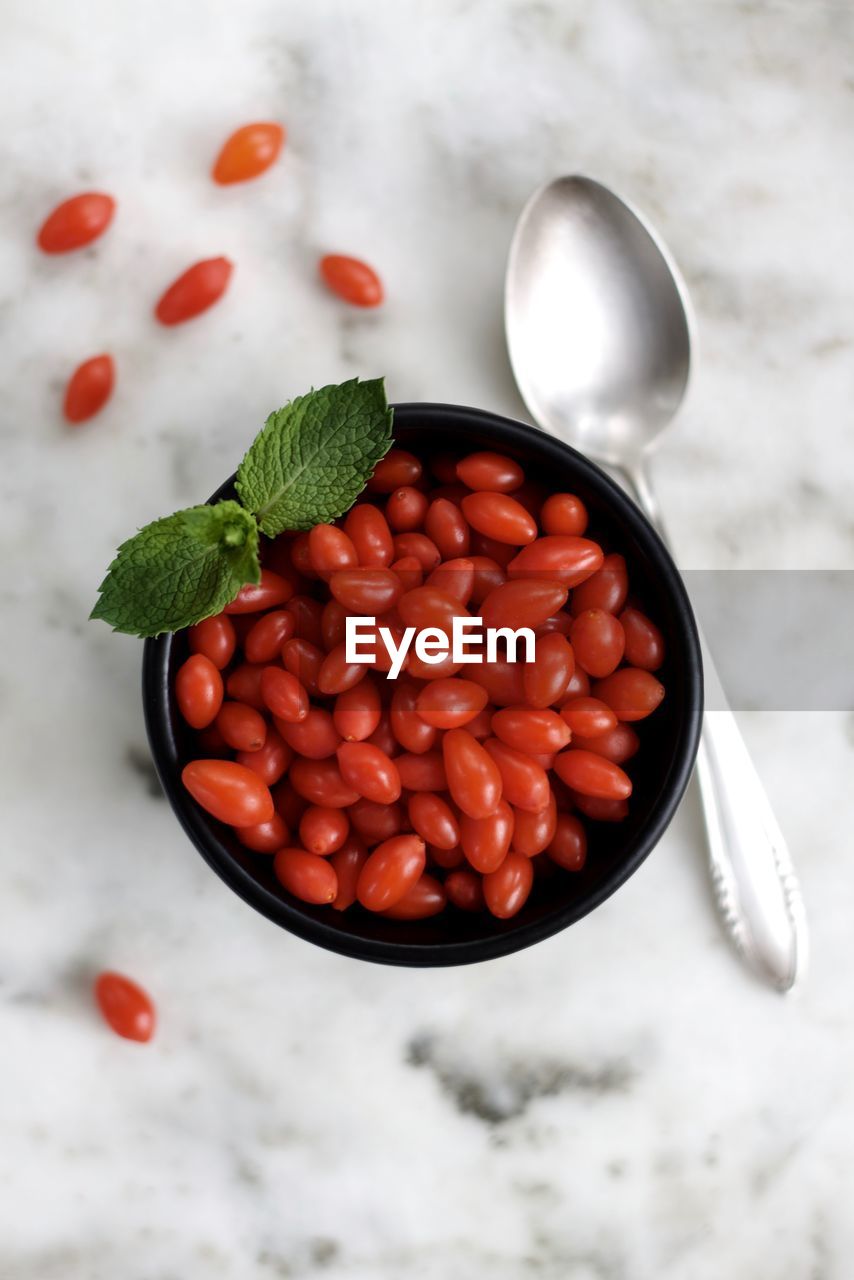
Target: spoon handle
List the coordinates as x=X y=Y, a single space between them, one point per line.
x=753 y=880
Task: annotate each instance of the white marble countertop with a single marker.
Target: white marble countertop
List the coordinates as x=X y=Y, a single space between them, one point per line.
x=622 y=1102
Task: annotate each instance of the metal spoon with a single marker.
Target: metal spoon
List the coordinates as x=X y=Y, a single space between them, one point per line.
x=599 y=332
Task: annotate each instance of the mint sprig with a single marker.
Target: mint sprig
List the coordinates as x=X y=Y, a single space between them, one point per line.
x=306 y=466
x=312 y=458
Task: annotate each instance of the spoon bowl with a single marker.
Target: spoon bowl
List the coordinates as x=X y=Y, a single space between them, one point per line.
x=598 y=321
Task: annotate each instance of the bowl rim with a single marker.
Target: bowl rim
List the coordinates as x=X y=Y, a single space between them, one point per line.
x=157 y=696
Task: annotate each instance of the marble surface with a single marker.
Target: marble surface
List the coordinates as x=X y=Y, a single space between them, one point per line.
x=622 y=1102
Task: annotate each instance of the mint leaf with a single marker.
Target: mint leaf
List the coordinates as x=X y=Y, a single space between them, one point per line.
x=179 y=570
x=307 y=466
x=312 y=458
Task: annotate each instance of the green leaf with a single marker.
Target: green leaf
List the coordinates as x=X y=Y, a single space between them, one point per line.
x=312 y=458
x=179 y=570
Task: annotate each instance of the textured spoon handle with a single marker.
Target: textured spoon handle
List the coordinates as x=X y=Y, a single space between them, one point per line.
x=754 y=882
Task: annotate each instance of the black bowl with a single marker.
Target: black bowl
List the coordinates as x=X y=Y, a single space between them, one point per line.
x=660 y=771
